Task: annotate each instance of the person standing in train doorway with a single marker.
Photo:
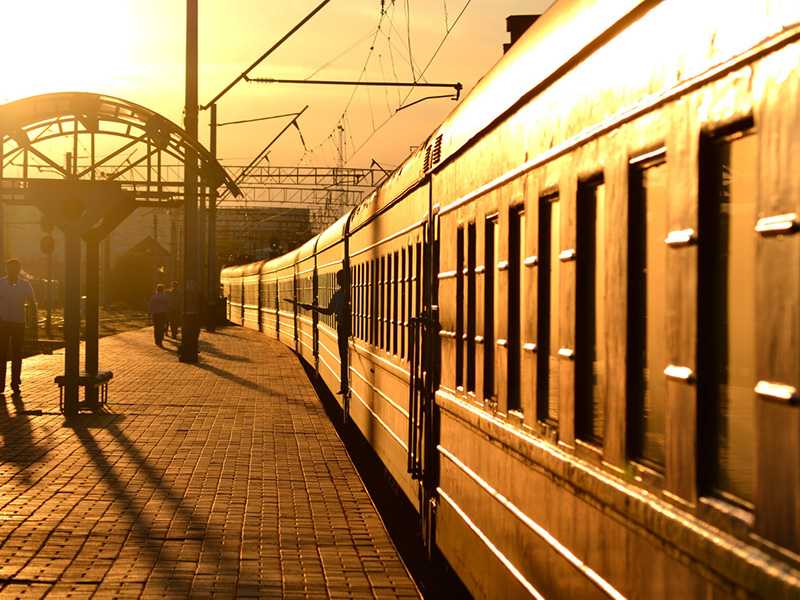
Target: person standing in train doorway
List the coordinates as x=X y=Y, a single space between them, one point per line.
x=338 y=307
x=15 y=293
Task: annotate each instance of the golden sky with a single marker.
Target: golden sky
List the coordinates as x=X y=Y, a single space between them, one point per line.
x=134 y=49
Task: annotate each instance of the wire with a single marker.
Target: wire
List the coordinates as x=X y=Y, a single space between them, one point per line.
x=408 y=37
x=340 y=55
x=418 y=75
x=256 y=119
x=360 y=77
x=430 y=61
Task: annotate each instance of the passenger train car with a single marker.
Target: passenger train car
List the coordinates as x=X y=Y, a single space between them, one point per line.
x=575 y=311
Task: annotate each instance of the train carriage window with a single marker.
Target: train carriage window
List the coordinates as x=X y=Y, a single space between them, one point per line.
x=374 y=304
x=459 y=307
x=491 y=242
x=472 y=309
x=547 y=388
x=418 y=279
x=412 y=286
x=352 y=299
x=516 y=320
x=590 y=317
x=412 y=306
x=361 y=301
x=386 y=267
x=726 y=327
x=357 y=303
x=395 y=290
x=387 y=303
x=403 y=316
x=382 y=303
x=355 y=282
x=391 y=276
x=367 y=302
x=647 y=350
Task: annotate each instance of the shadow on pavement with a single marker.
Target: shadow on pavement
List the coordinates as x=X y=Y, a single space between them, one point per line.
x=235 y=378
x=150 y=530
x=18 y=447
x=207 y=347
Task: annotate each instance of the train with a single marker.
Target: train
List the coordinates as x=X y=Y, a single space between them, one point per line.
x=573 y=313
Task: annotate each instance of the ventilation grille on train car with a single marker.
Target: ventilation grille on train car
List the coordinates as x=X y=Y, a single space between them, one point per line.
x=433 y=154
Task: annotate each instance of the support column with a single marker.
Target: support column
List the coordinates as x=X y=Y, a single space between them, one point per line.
x=92 y=314
x=188 y=351
x=106 y=279
x=202 y=278
x=2 y=216
x=72 y=320
x=48 y=326
x=2 y=229
x=213 y=275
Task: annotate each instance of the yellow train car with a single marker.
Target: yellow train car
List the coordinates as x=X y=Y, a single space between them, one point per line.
x=575 y=310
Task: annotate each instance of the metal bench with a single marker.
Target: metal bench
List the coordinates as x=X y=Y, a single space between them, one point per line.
x=85 y=380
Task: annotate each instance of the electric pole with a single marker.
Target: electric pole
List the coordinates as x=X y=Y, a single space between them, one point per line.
x=188 y=351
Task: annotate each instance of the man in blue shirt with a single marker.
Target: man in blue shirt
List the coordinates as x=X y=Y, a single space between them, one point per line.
x=338 y=307
x=15 y=293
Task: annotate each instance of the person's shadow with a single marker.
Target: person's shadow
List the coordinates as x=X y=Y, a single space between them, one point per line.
x=18 y=447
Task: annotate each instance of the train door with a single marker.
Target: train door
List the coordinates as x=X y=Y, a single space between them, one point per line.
x=314 y=313
x=423 y=422
x=241 y=301
x=295 y=312
x=277 y=299
x=260 y=303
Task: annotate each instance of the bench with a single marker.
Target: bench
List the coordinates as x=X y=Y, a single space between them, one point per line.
x=85 y=380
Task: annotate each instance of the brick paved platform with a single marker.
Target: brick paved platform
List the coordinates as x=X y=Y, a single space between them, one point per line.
x=224 y=478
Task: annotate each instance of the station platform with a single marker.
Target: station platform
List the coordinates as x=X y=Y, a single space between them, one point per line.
x=224 y=478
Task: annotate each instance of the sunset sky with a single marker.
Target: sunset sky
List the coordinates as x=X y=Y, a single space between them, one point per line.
x=135 y=49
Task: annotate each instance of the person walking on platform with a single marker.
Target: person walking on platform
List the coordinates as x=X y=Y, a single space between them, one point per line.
x=15 y=293
x=159 y=309
x=174 y=310
x=338 y=307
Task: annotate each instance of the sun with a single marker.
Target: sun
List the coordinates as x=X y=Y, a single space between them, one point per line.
x=51 y=45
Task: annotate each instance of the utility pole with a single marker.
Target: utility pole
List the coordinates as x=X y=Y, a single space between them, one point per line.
x=213 y=276
x=188 y=351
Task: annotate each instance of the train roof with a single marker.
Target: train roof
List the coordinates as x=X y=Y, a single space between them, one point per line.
x=282 y=262
x=307 y=249
x=233 y=271
x=252 y=268
x=556 y=39
x=334 y=233
x=559 y=37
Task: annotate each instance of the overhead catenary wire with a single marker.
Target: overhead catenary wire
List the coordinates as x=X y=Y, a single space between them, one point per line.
x=257 y=119
x=408 y=37
x=374 y=35
x=408 y=95
x=418 y=75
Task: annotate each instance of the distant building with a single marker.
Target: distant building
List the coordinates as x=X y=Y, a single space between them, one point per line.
x=158 y=233
x=256 y=233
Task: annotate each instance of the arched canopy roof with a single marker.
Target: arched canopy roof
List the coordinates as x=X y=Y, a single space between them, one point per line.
x=25 y=124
